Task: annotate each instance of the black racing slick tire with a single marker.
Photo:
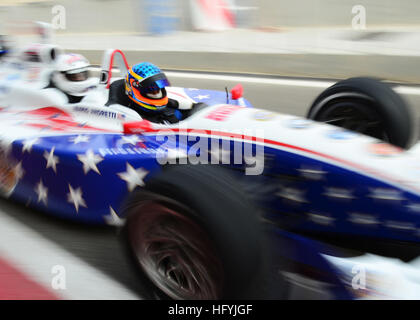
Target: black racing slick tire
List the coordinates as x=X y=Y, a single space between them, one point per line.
x=367 y=106
x=192 y=234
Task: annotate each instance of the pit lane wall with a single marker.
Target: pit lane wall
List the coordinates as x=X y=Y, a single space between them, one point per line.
x=160 y=16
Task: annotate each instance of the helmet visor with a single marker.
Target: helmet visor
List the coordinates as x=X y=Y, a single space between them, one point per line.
x=77 y=76
x=152 y=89
x=153 y=83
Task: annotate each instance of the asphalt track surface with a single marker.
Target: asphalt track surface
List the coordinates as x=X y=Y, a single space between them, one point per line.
x=96 y=266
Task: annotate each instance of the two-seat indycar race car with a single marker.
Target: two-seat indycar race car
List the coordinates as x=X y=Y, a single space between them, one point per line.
x=233 y=201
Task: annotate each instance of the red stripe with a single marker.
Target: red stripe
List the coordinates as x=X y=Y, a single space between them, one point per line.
x=14 y=285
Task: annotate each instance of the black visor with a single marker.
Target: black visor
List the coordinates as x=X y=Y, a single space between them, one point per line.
x=153 y=83
x=80 y=76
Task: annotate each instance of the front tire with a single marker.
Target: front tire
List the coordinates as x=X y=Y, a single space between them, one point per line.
x=367 y=106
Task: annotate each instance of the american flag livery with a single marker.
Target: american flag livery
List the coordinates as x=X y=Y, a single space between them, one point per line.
x=82 y=172
x=75 y=161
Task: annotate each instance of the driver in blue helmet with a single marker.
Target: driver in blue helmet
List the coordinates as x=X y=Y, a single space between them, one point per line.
x=143 y=90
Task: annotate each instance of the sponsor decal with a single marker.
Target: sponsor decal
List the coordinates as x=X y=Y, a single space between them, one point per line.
x=299 y=123
x=127 y=150
x=264 y=115
x=100 y=113
x=384 y=149
x=222 y=113
x=341 y=134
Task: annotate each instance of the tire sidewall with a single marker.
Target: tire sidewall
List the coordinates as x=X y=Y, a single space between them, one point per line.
x=393 y=110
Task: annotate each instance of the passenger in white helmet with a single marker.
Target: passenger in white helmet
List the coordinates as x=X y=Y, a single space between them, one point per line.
x=72 y=77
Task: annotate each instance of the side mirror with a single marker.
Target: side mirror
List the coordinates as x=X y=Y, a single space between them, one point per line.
x=237 y=92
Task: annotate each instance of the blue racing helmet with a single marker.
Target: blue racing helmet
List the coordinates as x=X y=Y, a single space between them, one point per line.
x=145 y=85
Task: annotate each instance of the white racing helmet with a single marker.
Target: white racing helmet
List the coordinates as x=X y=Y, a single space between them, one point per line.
x=72 y=75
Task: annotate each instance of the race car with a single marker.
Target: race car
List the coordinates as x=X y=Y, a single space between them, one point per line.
x=232 y=202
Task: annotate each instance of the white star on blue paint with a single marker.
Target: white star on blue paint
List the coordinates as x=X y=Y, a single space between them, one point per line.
x=75 y=196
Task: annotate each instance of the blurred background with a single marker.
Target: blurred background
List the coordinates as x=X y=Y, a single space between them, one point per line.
x=301 y=38
x=309 y=38
x=164 y=16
